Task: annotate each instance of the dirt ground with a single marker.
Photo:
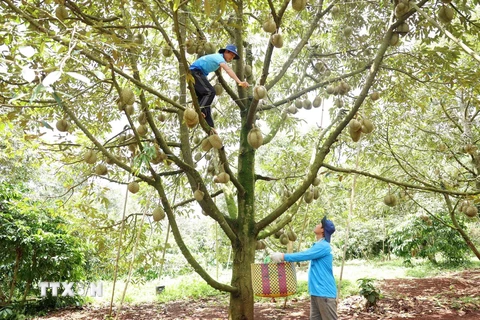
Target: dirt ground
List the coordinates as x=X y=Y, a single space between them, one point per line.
x=455 y=296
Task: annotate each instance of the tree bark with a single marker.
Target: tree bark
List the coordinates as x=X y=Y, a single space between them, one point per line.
x=241 y=303
x=15 y=273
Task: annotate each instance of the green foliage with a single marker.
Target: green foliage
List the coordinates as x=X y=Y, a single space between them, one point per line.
x=425 y=237
x=369 y=292
x=348 y=288
x=36 y=247
x=188 y=288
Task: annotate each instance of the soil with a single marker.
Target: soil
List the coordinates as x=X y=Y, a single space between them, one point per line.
x=456 y=296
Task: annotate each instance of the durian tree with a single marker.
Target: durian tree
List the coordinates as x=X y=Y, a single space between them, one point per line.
x=112 y=79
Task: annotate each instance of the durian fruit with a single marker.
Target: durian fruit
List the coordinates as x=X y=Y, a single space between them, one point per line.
x=197 y=140
x=463 y=206
x=343 y=88
x=127 y=96
x=248 y=70
x=142 y=118
x=61 y=13
x=308 y=196
x=330 y=89
x=316 y=193
x=277 y=40
x=218 y=89
x=190 y=46
x=255 y=138
x=142 y=130
x=209 y=48
x=158 y=214
x=298 y=104
x=299 y=5
x=401 y=8
x=259 y=92
x=317 y=102
x=62 y=125
x=471 y=211
x=90 y=157
x=269 y=26
x=190 y=116
x=206 y=145
x=260 y=245
x=355 y=125
x=167 y=51
x=161 y=117
x=129 y=109
x=159 y=156
x=101 y=169
x=109 y=160
x=133 y=187
x=470 y=148
x=367 y=125
x=403 y=29
x=278 y=234
x=316 y=181
x=347 y=31
x=307 y=104
x=445 y=14
x=215 y=141
x=198 y=195
x=390 y=200
x=284 y=239
x=320 y=67
x=223 y=177
x=355 y=134
x=394 y=40
x=291 y=236
x=197 y=156
x=375 y=96
x=292 y=109
x=139 y=38
x=335 y=11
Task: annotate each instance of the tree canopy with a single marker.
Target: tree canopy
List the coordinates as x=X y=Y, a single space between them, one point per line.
x=390 y=88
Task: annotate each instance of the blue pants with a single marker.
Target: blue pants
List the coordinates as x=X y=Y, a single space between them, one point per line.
x=205 y=95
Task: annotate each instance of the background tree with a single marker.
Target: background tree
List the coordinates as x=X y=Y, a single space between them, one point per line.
x=112 y=78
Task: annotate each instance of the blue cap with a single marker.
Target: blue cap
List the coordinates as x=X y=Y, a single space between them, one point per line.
x=328 y=228
x=231 y=48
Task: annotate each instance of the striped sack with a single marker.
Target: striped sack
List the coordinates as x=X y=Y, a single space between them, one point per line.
x=274 y=279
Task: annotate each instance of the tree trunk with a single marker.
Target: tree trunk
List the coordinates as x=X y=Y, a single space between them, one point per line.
x=464 y=235
x=15 y=273
x=241 y=303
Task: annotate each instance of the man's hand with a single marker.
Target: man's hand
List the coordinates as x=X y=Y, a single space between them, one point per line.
x=244 y=84
x=276 y=257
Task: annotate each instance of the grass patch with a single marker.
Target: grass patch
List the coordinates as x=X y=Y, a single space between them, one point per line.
x=188 y=288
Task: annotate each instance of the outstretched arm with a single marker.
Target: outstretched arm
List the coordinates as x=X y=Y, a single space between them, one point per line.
x=232 y=74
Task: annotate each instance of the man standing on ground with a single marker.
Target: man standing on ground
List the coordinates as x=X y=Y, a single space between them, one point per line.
x=200 y=69
x=321 y=282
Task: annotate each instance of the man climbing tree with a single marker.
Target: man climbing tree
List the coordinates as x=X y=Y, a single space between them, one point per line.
x=200 y=70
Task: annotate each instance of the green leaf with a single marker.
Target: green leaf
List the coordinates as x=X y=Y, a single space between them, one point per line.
x=79 y=77
x=51 y=78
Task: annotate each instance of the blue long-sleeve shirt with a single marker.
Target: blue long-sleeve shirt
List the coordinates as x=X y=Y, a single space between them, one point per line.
x=208 y=63
x=321 y=282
